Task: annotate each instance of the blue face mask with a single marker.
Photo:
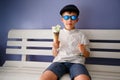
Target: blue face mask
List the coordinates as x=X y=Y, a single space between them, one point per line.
x=66 y=17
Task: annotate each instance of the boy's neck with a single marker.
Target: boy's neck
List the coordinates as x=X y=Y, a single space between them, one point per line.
x=70 y=29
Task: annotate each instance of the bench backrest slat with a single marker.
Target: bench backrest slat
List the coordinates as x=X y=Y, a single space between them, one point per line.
x=49 y=44
x=105 y=45
x=31 y=34
x=30 y=43
x=102 y=34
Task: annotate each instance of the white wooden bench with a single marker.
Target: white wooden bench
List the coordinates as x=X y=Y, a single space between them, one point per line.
x=104 y=44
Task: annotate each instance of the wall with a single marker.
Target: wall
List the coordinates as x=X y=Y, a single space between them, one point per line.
x=42 y=14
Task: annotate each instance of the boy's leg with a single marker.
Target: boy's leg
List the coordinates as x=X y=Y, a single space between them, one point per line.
x=54 y=71
x=79 y=72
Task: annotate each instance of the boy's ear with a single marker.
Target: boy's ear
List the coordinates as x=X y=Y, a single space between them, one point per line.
x=62 y=19
x=78 y=19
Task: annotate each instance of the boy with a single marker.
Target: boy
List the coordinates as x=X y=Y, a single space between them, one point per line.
x=70 y=51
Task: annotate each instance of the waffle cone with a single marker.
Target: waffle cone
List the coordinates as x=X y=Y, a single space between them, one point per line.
x=56 y=37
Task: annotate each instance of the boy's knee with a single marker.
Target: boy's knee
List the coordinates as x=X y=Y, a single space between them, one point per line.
x=48 y=75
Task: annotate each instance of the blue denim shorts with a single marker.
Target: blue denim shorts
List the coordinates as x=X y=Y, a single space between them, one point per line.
x=74 y=69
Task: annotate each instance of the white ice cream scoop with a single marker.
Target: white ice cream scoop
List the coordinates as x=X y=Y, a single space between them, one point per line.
x=56 y=29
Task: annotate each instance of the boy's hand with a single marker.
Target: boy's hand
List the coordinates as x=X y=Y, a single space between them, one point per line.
x=83 y=50
x=81 y=47
x=56 y=44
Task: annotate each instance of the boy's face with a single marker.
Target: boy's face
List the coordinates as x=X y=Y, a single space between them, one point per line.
x=69 y=20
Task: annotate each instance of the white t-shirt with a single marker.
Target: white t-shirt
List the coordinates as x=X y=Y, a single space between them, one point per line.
x=68 y=49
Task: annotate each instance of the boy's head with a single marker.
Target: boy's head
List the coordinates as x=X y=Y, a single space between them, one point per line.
x=69 y=15
x=70 y=8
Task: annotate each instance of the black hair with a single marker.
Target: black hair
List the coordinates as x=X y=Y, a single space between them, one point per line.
x=70 y=8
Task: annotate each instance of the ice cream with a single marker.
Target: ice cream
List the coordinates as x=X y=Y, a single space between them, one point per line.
x=56 y=30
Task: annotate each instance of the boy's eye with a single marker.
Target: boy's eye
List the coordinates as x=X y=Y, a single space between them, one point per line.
x=66 y=17
x=73 y=17
x=70 y=17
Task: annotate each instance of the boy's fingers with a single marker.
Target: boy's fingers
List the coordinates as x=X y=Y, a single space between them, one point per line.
x=80 y=44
